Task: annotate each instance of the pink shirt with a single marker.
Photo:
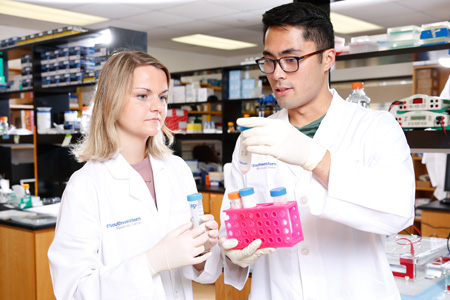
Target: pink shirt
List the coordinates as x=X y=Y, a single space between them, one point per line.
x=144 y=168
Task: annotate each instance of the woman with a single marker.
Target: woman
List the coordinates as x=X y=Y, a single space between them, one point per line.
x=124 y=229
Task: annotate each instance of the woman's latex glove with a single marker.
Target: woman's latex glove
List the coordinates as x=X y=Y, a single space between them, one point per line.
x=180 y=247
x=245 y=257
x=281 y=140
x=212 y=228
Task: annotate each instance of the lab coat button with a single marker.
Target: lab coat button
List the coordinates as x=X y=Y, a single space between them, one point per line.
x=303 y=200
x=305 y=251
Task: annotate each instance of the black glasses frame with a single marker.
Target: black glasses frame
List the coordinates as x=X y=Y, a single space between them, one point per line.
x=274 y=61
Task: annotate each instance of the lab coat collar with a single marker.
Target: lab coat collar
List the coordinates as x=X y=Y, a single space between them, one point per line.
x=120 y=169
x=331 y=125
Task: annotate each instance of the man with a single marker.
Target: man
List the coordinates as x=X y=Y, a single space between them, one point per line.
x=348 y=167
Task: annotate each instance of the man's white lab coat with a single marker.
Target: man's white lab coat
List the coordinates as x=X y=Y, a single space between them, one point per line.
x=370 y=194
x=107 y=222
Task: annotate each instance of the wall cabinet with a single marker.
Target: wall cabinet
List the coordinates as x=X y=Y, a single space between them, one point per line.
x=52 y=162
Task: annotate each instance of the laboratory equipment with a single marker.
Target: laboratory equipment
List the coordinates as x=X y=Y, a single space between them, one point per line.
x=278 y=195
x=245 y=160
x=85 y=119
x=422 y=119
x=276 y=225
x=422 y=103
x=25 y=201
x=235 y=200
x=196 y=206
x=4 y=126
x=248 y=197
x=446 y=268
x=358 y=95
x=44 y=119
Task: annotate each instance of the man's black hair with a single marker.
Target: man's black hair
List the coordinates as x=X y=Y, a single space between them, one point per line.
x=314 y=20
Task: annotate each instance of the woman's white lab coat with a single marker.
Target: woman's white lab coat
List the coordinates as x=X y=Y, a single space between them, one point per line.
x=107 y=222
x=370 y=194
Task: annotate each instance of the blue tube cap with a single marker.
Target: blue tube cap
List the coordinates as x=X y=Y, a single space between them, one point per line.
x=246 y=191
x=279 y=191
x=195 y=197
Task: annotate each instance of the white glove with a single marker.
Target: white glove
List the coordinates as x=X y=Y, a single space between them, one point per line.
x=245 y=257
x=180 y=247
x=281 y=140
x=212 y=228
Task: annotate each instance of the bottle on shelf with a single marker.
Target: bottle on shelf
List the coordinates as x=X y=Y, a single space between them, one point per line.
x=358 y=95
x=85 y=119
x=26 y=202
x=4 y=126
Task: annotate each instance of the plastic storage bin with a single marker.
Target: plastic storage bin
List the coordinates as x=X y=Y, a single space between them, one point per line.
x=435 y=33
x=405 y=36
x=276 y=225
x=362 y=44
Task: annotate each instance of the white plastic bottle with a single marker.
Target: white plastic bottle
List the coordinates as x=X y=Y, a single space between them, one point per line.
x=358 y=95
x=248 y=197
x=235 y=200
x=196 y=206
x=278 y=195
x=4 y=126
x=85 y=119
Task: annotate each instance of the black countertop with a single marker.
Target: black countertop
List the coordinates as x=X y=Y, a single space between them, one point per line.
x=21 y=225
x=435 y=206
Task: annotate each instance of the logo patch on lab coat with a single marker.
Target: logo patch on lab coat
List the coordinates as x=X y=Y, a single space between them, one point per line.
x=125 y=223
x=265 y=165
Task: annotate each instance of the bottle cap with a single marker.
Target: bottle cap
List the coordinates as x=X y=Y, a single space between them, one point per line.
x=233 y=195
x=26 y=185
x=357 y=85
x=85 y=108
x=279 y=191
x=195 y=197
x=246 y=191
x=4 y=119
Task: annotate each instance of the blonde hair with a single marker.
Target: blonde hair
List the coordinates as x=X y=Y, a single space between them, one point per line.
x=113 y=88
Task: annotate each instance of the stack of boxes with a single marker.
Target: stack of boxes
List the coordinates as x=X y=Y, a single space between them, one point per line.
x=427 y=81
x=191 y=92
x=241 y=86
x=67 y=66
x=435 y=33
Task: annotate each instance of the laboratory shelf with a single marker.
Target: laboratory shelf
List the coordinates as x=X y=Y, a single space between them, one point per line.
x=12 y=140
x=57 y=139
x=198 y=136
x=393 y=52
x=428 y=141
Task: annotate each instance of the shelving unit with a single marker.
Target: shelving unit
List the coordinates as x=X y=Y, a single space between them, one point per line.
x=232 y=109
x=52 y=163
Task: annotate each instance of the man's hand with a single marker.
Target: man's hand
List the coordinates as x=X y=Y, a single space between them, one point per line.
x=245 y=257
x=281 y=140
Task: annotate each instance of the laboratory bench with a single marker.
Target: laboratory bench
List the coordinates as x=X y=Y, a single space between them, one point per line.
x=25 y=272
x=435 y=219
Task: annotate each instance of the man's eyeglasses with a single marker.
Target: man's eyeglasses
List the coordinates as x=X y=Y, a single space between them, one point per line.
x=288 y=64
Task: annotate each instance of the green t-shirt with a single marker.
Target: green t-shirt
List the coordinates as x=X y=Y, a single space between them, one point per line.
x=311 y=128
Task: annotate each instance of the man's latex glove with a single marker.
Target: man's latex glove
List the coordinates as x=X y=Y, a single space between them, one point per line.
x=180 y=247
x=212 y=229
x=281 y=140
x=245 y=257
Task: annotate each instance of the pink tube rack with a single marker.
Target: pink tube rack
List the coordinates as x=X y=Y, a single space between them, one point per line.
x=276 y=225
